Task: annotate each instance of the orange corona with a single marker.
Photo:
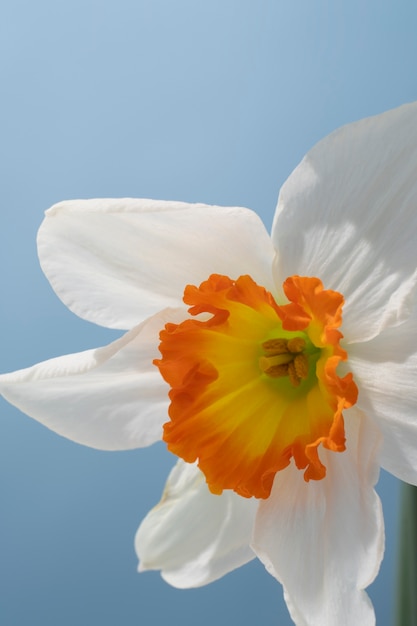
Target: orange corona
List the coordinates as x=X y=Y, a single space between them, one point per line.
x=254 y=383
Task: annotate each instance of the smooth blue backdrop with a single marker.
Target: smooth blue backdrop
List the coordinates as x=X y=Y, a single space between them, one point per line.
x=213 y=101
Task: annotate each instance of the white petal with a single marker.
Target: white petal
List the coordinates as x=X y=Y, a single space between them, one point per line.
x=110 y=398
x=347 y=215
x=193 y=536
x=116 y=262
x=324 y=540
x=385 y=372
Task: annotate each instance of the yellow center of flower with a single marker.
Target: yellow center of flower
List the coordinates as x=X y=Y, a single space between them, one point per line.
x=254 y=383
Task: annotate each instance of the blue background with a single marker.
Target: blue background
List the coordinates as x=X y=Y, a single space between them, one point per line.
x=213 y=101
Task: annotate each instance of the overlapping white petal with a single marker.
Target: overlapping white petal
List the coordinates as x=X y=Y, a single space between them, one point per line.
x=117 y=261
x=111 y=398
x=385 y=371
x=347 y=214
x=324 y=540
x=192 y=536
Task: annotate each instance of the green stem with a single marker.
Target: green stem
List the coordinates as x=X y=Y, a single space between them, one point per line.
x=407 y=568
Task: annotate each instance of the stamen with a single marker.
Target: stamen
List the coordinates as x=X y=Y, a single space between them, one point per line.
x=285 y=357
x=277 y=371
x=292 y=375
x=296 y=345
x=301 y=365
x=275 y=346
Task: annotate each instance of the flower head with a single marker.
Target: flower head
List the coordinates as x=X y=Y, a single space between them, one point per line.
x=280 y=370
x=255 y=384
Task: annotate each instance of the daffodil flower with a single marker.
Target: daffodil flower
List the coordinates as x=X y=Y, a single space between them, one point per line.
x=280 y=370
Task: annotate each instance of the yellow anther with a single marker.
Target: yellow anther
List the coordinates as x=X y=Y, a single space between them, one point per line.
x=296 y=345
x=292 y=375
x=277 y=371
x=275 y=346
x=301 y=365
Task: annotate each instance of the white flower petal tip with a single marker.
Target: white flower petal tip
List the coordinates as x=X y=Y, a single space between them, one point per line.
x=348 y=214
x=111 y=398
x=193 y=536
x=117 y=261
x=325 y=541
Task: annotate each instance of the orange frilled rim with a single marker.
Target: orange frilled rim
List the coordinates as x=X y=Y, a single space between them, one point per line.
x=236 y=412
